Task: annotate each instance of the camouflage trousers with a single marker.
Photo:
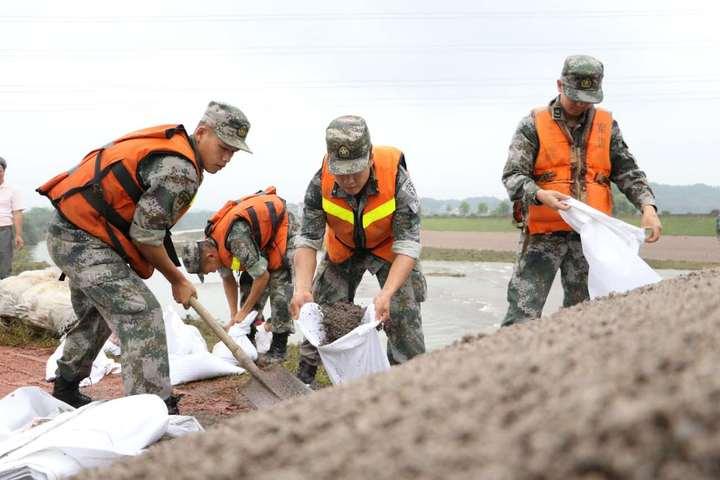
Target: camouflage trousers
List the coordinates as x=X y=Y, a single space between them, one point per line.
x=279 y=290
x=538 y=261
x=338 y=282
x=107 y=295
x=7 y=245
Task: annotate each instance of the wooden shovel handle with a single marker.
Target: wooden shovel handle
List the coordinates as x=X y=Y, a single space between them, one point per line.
x=234 y=348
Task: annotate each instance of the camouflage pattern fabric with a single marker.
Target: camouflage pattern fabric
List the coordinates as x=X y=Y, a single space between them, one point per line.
x=170 y=185
x=280 y=286
x=334 y=283
x=406 y=219
x=107 y=295
x=538 y=261
x=518 y=172
x=582 y=78
x=347 y=139
x=229 y=124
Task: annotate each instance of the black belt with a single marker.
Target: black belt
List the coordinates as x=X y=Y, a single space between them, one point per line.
x=3 y=227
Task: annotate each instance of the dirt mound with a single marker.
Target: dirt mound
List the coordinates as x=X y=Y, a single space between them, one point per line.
x=339 y=319
x=625 y=387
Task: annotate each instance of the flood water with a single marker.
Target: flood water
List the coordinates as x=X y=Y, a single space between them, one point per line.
x=463 y=297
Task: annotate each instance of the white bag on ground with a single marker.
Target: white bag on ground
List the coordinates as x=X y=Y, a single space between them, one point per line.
x=263 y=338
x=238 y=332
x=356 y=354
x=611 y=248
x=102 y=365
x=37 y=298
x=188 y=354
x=70 y=440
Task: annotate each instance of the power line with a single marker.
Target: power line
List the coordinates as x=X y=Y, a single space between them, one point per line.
x=351 y=17
x=356 y=49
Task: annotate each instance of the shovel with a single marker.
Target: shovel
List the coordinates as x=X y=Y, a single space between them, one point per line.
x=267 y=387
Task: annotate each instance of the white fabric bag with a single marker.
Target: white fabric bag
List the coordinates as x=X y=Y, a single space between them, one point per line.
x=102 y=365
x=611 y=248
x=238 y=332
x=356 y=354
x=51 y=440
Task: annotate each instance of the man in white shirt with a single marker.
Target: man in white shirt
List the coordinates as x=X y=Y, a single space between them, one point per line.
x=10 y=216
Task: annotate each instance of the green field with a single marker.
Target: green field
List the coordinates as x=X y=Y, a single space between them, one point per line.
x=693 y=225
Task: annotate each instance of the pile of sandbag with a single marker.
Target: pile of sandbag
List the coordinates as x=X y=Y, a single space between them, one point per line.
x=38 y=299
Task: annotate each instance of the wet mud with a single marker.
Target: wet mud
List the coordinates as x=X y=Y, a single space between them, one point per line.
x=622 y=387
x=339 y=319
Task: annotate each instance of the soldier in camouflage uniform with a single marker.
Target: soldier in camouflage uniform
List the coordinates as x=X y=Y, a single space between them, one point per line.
x=541 y=255
x=353 y=163
x=108 y=295
x=202 y=258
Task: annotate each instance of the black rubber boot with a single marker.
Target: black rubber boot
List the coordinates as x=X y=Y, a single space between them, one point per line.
x=306 y=372
x=172 y=403
x=69 y=392
x=278 y=347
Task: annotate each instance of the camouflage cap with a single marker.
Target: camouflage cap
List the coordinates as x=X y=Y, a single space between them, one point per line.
x=229 y=123
x=348 y=145
x=190 y=254
x=582 y=78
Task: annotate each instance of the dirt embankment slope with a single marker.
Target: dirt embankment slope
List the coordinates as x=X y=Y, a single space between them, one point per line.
x=626 y=387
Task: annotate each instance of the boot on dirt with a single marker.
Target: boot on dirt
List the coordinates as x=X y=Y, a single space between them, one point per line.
x=306 y=372
x=278 y=347
x=69 y=392
x=172 y=403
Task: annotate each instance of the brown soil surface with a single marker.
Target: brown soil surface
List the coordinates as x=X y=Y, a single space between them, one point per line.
x=623 y=387
x=339 y=319
x=209 y=400
x=692 y=249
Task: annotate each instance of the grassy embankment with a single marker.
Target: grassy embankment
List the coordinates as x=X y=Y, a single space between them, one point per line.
x=691 y=225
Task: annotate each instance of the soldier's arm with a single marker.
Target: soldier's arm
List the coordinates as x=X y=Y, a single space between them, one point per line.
x=307 y=243
x=406 y=243
x=243 y=247
x=630 y=180
x=517 y=174
x=170 y=184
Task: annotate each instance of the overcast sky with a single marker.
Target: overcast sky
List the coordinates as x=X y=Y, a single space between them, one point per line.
x=447 y=82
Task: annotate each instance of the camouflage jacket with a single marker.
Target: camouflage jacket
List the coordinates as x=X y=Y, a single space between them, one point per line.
x=241 y=242
x=170 y=184
x=518 y=172
x=406 y=219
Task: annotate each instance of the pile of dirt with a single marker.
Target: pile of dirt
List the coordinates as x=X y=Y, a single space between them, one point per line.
x=339 y=319
x=623 y=387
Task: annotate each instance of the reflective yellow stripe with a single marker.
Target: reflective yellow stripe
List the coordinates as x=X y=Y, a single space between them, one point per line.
x=384 y=210
x=235 y=266
x=340 y=212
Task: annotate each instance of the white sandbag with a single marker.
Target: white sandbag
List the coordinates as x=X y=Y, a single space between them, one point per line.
x=182 y=339
x=238 y=333
x=19 y=408
x=37 y=298
x=89 y=437
x=199 y=366
x=263 y=338
x=354 y=355
x=102 y=365
x=611 y=248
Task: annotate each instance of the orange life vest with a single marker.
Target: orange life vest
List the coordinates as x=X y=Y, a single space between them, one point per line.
x=266 y=214
x=553 y=168
x=100 y=195
x=373 y=226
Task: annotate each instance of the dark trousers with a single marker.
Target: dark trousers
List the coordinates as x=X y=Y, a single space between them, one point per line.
x=7 y=243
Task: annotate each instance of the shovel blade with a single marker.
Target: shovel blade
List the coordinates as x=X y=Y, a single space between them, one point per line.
x=283 y=385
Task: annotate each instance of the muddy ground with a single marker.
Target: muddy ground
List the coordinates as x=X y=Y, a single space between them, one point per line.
x=210 y=401
x=682 y=248
x=623 y=387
